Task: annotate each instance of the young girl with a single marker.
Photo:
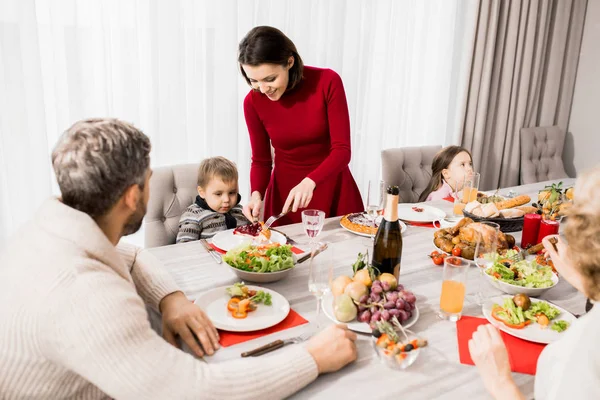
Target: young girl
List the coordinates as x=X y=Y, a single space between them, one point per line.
x=449 y=168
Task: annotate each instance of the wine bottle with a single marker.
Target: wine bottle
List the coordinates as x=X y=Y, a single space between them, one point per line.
x=387 y=250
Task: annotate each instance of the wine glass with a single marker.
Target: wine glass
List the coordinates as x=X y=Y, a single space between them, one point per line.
x=312 y=221
x=320 y=275
x=485 y=252
x=375 y=199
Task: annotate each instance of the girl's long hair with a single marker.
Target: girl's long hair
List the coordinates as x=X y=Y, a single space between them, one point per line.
x=441 y=161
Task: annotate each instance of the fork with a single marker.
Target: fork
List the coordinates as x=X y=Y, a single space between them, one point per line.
x=211 y=251
x=274 y=218
x=277 y=344
x=520 y=256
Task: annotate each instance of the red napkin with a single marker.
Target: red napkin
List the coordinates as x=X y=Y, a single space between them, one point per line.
x=522 y=354
x=230 y=338
x=423 y=224
x=295 y=249
x=449 y=198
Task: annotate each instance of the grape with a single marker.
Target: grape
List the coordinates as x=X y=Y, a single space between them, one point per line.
x=373 y=309
x=394 y=312
x=400 y=304
x=392 y=296
x=372 y=325
x=402 y=294
x=365 y=316
x=403 y=316
x=400 y=287
x=408 y=314
x=386 y=286
x=407 y=306
x=376 y=283
x=375 y=316
x=389 y=304
x=410 y=297
x=361 y=308
x=376 y=289
x=385 y=315
x=363 y=299
x=412 y=306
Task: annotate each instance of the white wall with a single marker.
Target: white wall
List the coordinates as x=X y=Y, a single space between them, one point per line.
x=582 y=148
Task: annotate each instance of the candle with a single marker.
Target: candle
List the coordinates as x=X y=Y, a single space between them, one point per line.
x=547 y=227
x=531 y=227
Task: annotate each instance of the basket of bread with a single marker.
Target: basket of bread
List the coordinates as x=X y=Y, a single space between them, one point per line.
x=507 y=213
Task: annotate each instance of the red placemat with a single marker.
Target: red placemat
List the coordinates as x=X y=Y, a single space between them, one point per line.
x=523 y=355
x=230 y=338
x=295 y=249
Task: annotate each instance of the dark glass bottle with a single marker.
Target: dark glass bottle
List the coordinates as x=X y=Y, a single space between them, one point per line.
x=387 y=250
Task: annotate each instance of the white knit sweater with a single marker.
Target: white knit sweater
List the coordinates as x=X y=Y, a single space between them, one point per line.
x=73 y=324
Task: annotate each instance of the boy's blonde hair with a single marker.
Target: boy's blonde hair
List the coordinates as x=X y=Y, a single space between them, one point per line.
x=583 y=231
x=217 y=167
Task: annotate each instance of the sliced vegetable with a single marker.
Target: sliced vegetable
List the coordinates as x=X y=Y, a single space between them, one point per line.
x=560 y=326
x=233 y=304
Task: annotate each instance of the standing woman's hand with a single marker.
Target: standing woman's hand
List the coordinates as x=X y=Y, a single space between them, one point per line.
x=252 y=209
x=300 y=196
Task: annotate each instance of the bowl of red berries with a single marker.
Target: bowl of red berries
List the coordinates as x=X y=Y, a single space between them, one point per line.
x=396 y=347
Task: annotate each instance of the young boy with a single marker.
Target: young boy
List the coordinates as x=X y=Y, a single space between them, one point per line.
x=217 y=204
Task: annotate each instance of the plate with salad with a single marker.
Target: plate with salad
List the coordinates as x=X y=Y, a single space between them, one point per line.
x=261 y=263
x=229 y=239
x=526 y=276
x=527 y=318
x=243 y=308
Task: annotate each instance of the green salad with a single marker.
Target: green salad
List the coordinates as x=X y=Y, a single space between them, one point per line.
x=271 y=257
x=524 y=273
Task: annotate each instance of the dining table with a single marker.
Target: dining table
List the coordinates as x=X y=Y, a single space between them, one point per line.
x=437 y=372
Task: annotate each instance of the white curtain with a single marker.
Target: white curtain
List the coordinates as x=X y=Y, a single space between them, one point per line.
x=169 y=66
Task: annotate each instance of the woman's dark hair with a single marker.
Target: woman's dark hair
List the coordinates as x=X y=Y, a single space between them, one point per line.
x=441 y=161
x=268 y=45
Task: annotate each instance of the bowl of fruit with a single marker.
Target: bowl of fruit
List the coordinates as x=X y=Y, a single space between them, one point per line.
x=396 y=347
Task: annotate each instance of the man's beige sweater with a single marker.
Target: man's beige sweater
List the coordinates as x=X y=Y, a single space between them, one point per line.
x=73 y=324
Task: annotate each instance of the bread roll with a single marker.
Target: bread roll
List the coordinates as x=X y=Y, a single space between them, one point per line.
x=489 y=210
x=471 y=206
x=514 y=202
x=527 y=209
x=512 y=213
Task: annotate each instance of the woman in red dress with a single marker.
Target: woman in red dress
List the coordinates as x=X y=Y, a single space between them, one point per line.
x=302 y=112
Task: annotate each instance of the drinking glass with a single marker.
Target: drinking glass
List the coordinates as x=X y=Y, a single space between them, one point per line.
x=485 y=253
x=375 y=198
x=320 y=276
x=312 y=221
x=470 y=187
x=452 y=297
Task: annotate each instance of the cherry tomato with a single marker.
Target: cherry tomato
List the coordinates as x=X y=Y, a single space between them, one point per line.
x=454 y=261
x=434 y=253
x=456 y=252
x=438 y=260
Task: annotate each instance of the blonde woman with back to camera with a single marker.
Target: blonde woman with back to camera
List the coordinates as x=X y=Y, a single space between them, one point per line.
x=570 y=367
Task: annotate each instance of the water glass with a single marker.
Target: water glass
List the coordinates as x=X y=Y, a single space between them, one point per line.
x=485 y=253
x=375 y=198
x=312 y=221
x=454 y=280
x=320 y=276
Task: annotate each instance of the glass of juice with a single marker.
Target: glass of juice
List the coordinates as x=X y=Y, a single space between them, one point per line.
x=470 y=187
x=453 y=288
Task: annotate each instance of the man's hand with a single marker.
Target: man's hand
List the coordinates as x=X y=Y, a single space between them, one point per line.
x=300 y=195
x=181 y=317
x=333 y=348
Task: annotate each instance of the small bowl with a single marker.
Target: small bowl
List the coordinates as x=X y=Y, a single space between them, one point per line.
x=514 y=289
x=400 y=360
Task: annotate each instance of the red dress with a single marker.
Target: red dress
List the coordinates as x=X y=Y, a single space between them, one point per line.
x=309 y=129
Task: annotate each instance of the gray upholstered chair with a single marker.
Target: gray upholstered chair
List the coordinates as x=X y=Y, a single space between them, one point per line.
x=409 y=168
x=541 y=154
x=172 y=190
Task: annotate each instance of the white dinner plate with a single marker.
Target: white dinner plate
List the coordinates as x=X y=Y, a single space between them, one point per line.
x=407 y=212
x=226 y=240
x=378 y=219
x=532 y=332
x=356 y=325
x=214 y=303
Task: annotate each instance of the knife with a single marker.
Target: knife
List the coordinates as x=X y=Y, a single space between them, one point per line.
x=313 y=254
x=211 y=251
x=287 y=238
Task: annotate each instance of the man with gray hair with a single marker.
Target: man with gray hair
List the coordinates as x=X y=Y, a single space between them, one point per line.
x=72 y=302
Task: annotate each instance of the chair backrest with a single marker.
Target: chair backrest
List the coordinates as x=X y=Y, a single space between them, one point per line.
x=409 y=168
x=541 y=154
x=172 y=190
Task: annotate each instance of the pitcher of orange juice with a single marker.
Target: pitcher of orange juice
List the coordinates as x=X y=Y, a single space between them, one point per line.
x=453 y=288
